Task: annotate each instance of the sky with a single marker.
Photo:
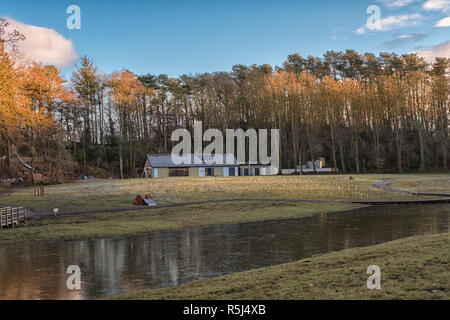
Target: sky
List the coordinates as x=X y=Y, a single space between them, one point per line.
x=197 y=36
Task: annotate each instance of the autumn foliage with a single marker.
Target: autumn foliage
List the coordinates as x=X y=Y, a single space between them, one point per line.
x=363 y=113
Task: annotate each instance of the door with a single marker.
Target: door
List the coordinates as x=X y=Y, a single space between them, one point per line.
x=201 y=172
x=155 y=173
x=210 y=172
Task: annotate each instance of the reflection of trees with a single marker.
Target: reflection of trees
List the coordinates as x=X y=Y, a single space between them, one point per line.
x=114 y=266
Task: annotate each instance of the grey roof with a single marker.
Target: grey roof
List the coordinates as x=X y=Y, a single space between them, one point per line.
x=192 y=161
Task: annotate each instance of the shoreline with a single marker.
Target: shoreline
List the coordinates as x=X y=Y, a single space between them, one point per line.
x=131 y=235
x=337 y=275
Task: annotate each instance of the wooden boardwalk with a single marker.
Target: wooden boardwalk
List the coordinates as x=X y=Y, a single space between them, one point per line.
x=10 y=217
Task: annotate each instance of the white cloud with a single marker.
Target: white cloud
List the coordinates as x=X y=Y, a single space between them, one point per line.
x=442 y=50
x=394 y=22
x=397 y=3
x=44 y=45
x=444 y=23
x=437 y=5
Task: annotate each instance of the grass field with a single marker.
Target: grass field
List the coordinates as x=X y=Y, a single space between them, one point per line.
x=431 y=183
x=413 y=268
x=102 y=194
x=104 y=225
x=105 y=194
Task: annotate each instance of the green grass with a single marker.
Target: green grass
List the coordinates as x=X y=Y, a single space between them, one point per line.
x=413 y=268
x=104 y=225
x=103 y=194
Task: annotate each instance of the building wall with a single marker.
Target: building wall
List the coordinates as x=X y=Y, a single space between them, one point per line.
x=193 y=172
x=218 y=172
x=268 y=171
x=163 y=172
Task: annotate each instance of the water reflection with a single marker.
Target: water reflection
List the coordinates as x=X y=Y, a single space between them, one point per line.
x=114 y=266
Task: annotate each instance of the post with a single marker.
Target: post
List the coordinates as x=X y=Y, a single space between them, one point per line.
x=8 y=217
x=39 y=191
x=2 y=212
x=14 y=216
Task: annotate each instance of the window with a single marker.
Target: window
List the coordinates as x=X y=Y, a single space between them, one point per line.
x=232 y=172
x=178 y=172
x=257 y=172
x=210 y=172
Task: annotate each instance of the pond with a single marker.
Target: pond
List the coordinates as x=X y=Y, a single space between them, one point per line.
x=115 y=266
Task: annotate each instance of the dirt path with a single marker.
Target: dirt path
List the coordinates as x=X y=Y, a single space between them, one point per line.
x=38 y=215
x=384 y=184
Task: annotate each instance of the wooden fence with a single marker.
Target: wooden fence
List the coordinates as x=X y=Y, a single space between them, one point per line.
x=12 y=216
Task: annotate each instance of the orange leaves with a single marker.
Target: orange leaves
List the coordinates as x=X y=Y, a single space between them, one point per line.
x=44 y=86
x=291 y=83
x=28 y=95
x=126 y=88
x=8 y=95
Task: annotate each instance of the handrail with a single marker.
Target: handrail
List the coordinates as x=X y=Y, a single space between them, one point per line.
x=12 y=216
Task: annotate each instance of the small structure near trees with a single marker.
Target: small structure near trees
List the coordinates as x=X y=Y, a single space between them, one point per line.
x=147 y=201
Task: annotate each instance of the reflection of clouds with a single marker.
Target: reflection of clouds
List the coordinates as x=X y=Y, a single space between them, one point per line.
x=114 y=266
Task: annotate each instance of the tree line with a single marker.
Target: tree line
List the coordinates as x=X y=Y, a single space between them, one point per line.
x=362 y=112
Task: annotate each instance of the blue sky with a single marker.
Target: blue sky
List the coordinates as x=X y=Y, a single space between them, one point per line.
x=195 y=36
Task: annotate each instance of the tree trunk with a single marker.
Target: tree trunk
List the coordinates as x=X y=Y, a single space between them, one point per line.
x=33 y=151
x=399 y=150
x=333 y=147
x=356 y=146
x=10 y=164
x=422 y=150
x=121 y=159
x=341 y=155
